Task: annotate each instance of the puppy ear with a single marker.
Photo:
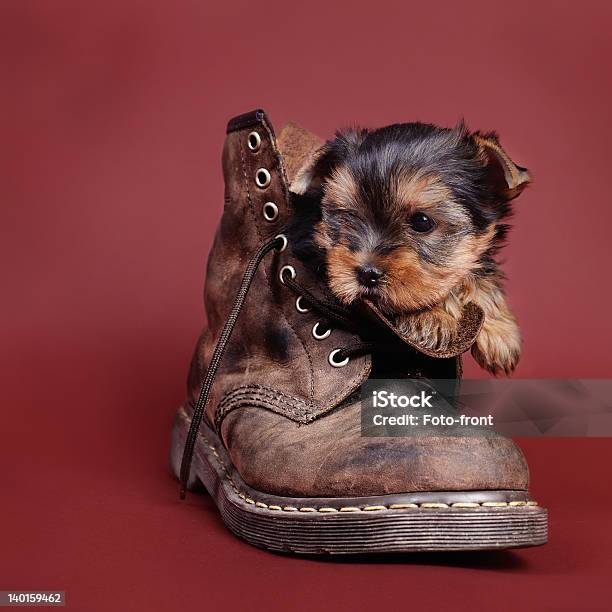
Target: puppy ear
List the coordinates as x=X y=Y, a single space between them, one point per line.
x=311 y=176
x=312 y=173
x=507 y=178
x=296 y=146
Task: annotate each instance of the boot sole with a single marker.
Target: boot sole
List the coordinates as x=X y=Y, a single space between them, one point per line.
x=430 y=521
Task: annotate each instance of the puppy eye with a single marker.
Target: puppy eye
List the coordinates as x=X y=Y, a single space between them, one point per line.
x=421 y=223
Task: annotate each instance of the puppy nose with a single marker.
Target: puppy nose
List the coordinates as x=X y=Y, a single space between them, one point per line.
x=369 y=275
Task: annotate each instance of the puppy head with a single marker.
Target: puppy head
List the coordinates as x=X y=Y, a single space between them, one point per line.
x=409 y=210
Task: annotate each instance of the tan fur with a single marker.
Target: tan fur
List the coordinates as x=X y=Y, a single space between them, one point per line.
x=422 y=190
x=516 y=178
x=341 y=265
x=433 y=328
x=341 y=189
x=297 y=147
x=424 y=288
x=498 y=344
x=304 y=175
x=427 y=299
x=414 y=284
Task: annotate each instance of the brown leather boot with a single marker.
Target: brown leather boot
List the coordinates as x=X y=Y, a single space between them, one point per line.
x=271 y=426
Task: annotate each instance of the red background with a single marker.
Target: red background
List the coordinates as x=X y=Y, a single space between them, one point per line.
x=112 y=117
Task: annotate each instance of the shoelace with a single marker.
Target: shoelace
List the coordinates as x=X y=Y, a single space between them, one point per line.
x=332 y=311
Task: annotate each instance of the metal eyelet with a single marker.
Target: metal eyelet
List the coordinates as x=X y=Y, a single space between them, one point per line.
x=333 y=362
x=270 y=211
x=254 y=141
x=284 y=269
x=298 y=305
x=285 y=242
x=262 y=178
x=320 y=336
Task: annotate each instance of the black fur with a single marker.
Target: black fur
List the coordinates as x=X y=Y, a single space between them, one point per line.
x=306 y=213
x=373 y=157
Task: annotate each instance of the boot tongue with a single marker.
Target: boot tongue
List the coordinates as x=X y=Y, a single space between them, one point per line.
x=296 y=146
x=469 y=326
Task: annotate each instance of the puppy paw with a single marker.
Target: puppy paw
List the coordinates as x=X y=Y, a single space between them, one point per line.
x=432 y=329
x=498 y=346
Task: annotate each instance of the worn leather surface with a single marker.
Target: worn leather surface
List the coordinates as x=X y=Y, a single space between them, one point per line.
x=272 y=343
x=329 y=457
x=469 y=326
x=281 y=408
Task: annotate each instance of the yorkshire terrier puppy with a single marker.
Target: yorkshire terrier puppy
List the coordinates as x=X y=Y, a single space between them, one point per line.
x=410 y=217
